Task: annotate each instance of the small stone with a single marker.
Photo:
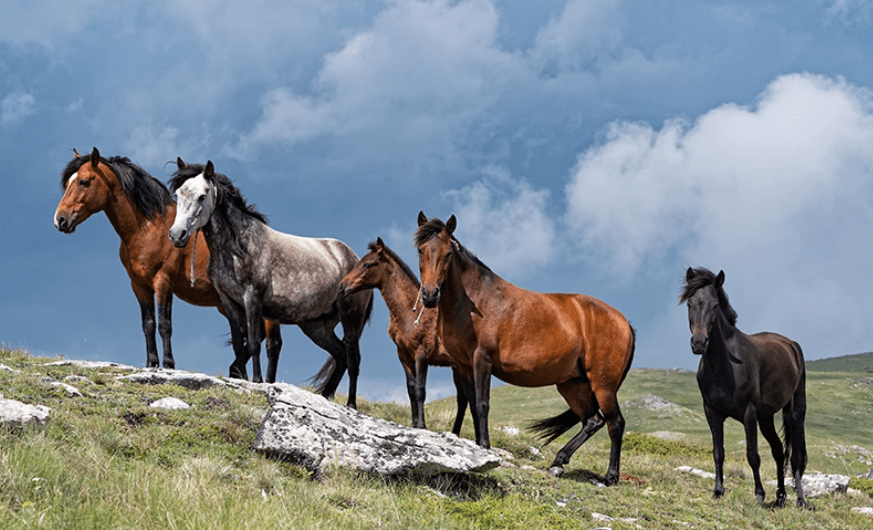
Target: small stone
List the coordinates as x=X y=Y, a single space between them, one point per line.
x=170 y=403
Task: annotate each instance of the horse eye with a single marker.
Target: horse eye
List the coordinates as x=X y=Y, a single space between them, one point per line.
x=201 y=199
x=368 y=265
x=84 y=183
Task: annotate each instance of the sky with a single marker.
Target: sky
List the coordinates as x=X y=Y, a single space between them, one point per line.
x=587 y=146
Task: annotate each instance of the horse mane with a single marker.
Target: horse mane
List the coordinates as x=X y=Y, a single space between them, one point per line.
x=434 y=226
x=703 y=277
x=372 y=246
x=145 y=191
x=229 y=203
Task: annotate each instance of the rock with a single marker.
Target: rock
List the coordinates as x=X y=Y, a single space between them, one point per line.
x=92 y=364
x=317 y=434
x=863 y=510
x=7 y=369
x=78 y=379
x=817 y=484
x=169 y=403
x=18 y=413
x=698 y=472
x=510 y=430
x=71 y=390
x=189 y=380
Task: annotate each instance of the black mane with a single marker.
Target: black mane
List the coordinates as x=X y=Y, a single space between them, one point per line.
x=145 y=191
x=433 y=227
x=372 y=246
x=702 y=278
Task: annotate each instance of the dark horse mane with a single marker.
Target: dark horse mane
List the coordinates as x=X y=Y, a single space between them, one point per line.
x=702 y=278
x=372 y=246
x=229 y=200
x=145 y=191
x=433 y=227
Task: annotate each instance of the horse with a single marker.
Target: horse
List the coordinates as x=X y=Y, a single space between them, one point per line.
x=415 y=335
x=489 y=326
x=140 y=208
x=260 y=273
x=747 y=378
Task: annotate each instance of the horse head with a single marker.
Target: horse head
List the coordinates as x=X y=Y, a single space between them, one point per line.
x=195 y=202
x=435 y=249
x=702 y=297
x=86 y=190
x=368 y=273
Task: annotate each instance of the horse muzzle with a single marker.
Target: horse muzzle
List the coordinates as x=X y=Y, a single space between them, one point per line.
x=430 y=298
x=699 y=344
x=66 y=224
x=345 y=290
x=179 y=238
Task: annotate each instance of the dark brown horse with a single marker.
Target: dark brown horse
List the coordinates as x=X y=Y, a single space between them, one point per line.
x=490 y=326
x=141 y=210
x=748 y=378
x=414 y=332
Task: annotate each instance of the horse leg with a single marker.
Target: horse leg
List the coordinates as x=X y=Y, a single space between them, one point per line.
x=238 y=330
x=146 y=299
x=274 y=346
x=254 y=323
x=462 y=399
x=417 y=415
x=578 y=395
x=794 y=415
x=322 y=335
x=420 y=390
x=772 y=437
x=750 y=423
x=608 y=401
x=165 y=319
x=482 y=391
x=716 y=427
x=354 y=311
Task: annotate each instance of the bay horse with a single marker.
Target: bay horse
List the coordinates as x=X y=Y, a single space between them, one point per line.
x=414 y=333
x=748 y=378
x=260 y=273
x=489 y=326
x=140 y=208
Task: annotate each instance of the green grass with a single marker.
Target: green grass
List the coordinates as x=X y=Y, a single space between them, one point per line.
x=861 y=362
x=106 y=460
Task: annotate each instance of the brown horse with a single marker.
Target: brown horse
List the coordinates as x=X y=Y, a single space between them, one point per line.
x=490 y=326
x=141 y=210
x=413 y=332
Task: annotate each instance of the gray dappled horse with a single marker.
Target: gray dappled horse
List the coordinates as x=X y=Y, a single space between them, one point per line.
x=748 y=378
x=262 y=273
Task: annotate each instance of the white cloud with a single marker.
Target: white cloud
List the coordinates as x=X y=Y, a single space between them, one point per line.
x=585 y=34
x=505 y=223
x=778 y=194
x=17 y=106
x=151 y=146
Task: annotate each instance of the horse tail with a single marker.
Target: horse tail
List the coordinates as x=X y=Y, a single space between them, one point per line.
x=320 y=379
x=793 y=416
x=630 y=358
x=551 y=428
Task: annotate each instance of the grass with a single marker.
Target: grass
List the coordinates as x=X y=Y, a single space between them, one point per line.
x=107 y=460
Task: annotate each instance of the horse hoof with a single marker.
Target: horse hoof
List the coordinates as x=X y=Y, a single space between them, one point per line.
x=556 y=471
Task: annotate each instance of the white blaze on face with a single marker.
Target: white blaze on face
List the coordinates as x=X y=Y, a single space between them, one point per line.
x=67 y=189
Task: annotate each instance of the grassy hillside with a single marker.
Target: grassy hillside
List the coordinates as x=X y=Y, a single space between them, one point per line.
x=106 y=460
x=861 y=362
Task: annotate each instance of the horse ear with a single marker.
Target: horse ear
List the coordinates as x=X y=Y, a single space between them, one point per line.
x=451 y=224
x=179 y=163
x=719 y=279
x=76 y=153
x=209 y=172
x=689 y=274
x=95 y=157
x=379 y=242
x=422 y=219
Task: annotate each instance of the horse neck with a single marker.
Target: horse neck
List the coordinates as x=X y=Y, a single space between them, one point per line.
x=219 y=236
x=718 y=355
x=463 y=283
x=400 y=293
x=126 y=218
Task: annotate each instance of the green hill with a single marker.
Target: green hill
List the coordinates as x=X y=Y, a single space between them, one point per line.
x=861 y=362
x=107 y=461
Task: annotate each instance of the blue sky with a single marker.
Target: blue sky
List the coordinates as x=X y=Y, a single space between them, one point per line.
x=585 y=146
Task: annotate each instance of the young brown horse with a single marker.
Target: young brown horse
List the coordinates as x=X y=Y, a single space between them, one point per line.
x=747 y=378
x=490 y=326
x=141 y=209
x=414 y=333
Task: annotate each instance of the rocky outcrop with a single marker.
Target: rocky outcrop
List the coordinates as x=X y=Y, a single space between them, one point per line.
x=315 y=433
x=16 y=413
